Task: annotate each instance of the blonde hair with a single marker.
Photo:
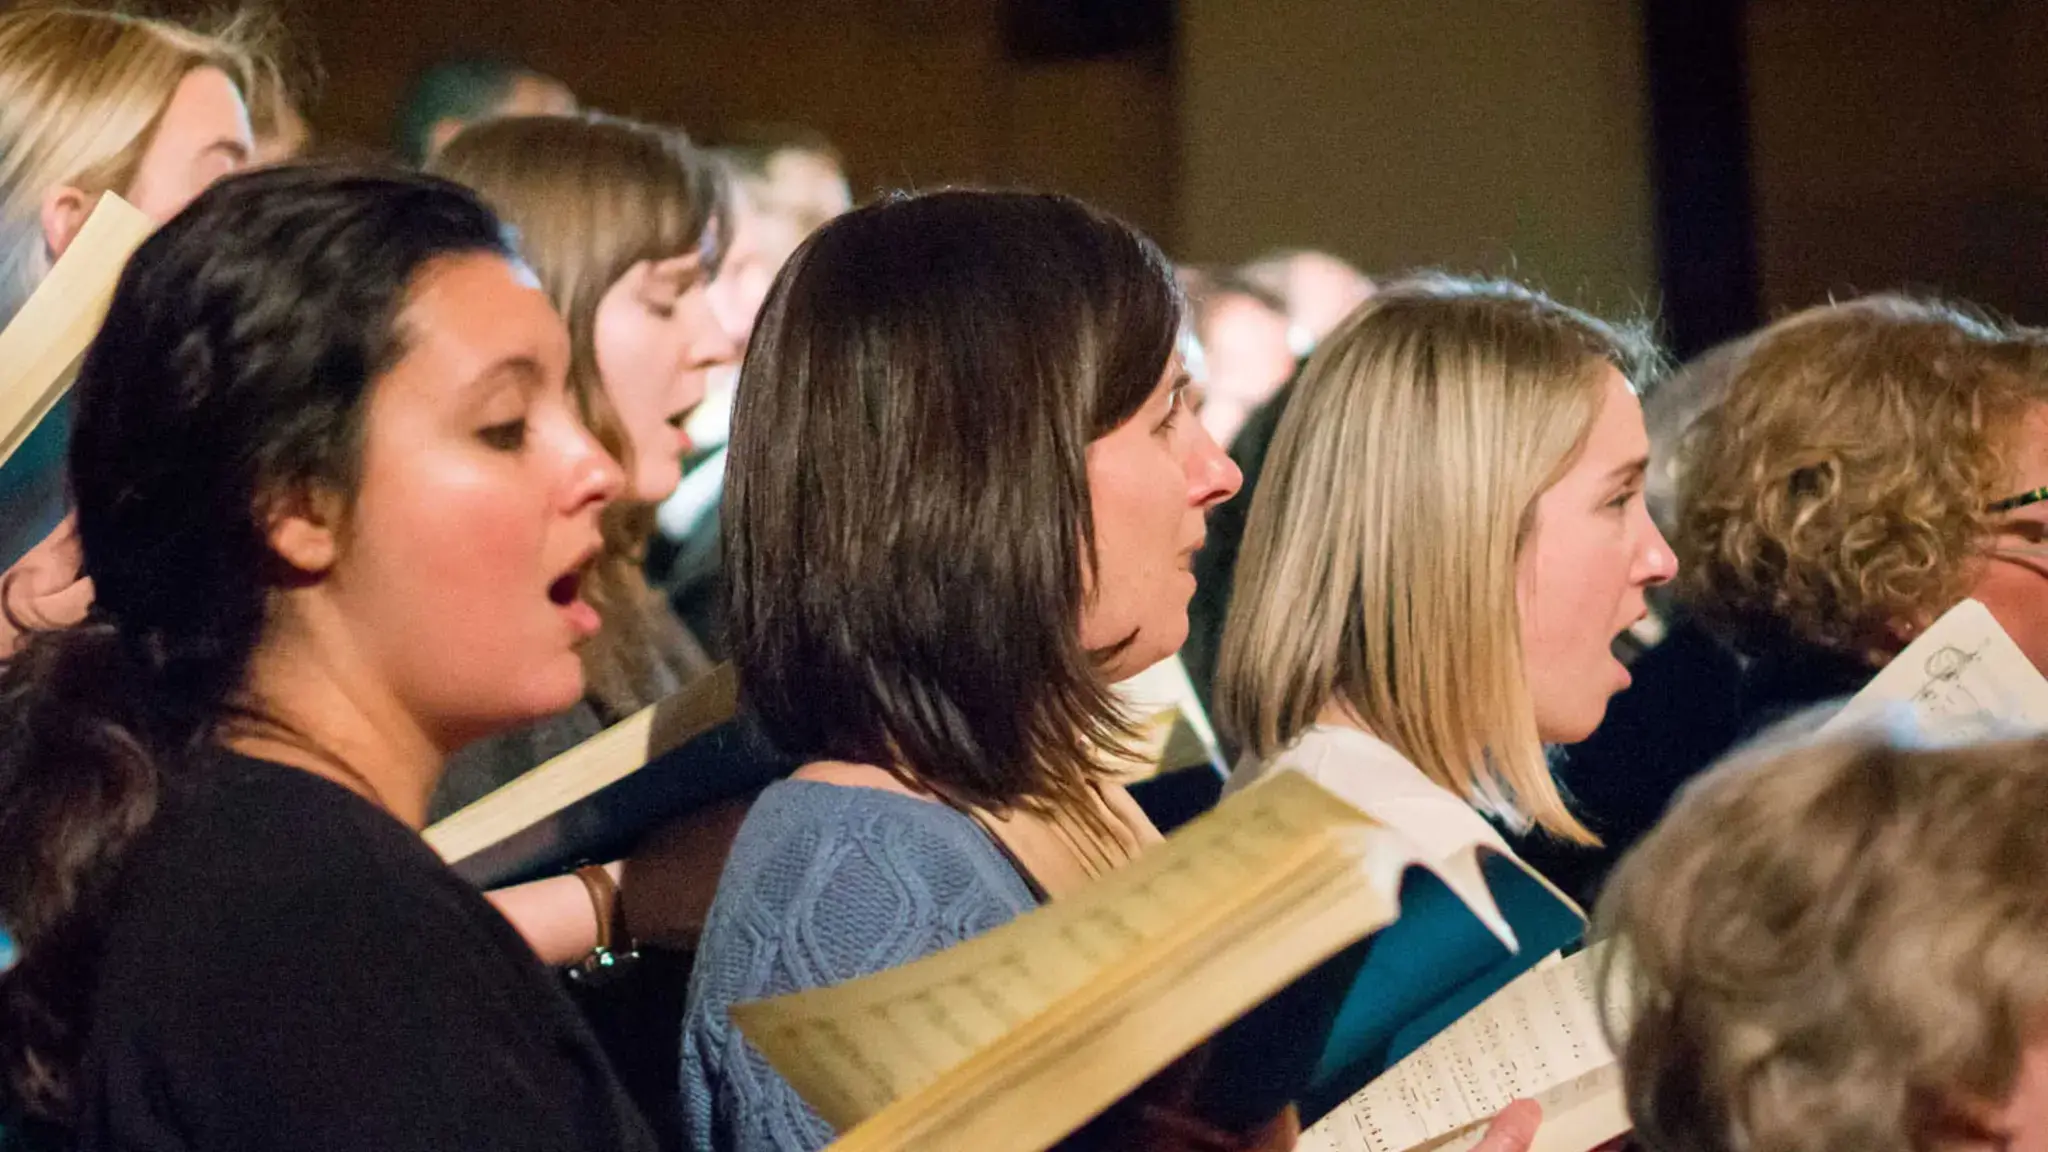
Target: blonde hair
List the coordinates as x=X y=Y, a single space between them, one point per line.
x=1837 y=948
x=1380 y=560
x=81 y=94
x=1840 y=487
x=590 y=196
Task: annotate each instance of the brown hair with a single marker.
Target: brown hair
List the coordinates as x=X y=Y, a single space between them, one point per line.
x=1379 y=562
x=1831 y=949
x=590 y=196
x=1838 y=491
x=907 y=519
x=284 y=74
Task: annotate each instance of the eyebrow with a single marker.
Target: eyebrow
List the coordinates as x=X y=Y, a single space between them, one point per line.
x=1633 y=469
x=522 y=372
x=230 y=147
x=679 y=269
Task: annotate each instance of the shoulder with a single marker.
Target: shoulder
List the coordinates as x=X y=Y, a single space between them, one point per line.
x=839 y=881
x=862 y=844
x=1343 y=760
x=265 y=873
x=825 y=883
x=1372 y=776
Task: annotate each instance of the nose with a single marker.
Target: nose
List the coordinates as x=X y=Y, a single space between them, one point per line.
x=711 y=341
x=594 y=479
x=1213 y=476
x=1656 y=563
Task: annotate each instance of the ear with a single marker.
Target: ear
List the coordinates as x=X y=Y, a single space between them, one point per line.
x=64 y=211
x=305 y=532
x=441 y=133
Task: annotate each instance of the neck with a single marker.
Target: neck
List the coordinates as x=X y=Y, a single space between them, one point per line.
x=1338 y=714
x=335 y=722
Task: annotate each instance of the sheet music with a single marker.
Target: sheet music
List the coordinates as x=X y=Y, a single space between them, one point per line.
x=1538 y=1037
x=852 y=1049
x=1963 y=679
x=41 y=345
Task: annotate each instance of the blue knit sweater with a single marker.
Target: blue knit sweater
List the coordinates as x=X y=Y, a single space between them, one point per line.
x=824 y=883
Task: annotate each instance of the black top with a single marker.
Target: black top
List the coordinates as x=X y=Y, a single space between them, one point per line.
x=1692 y=701
x=287 y=966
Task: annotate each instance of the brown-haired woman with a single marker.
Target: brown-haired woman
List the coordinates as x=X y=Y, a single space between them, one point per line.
x=623 y=222
x=962 y=499
x=1872 y=463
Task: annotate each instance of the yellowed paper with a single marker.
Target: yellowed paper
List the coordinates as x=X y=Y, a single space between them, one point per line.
x=1961 y=680
x=41 y=346
x=1539 y=1037
x=602 y=760
x=1082 y=1000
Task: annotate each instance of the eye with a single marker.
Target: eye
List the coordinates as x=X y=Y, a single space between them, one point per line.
x=1624 y=498
x=1177 y=403
x=507 y=437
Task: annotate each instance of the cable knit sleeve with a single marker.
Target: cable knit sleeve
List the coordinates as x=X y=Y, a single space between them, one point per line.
x=824 y=883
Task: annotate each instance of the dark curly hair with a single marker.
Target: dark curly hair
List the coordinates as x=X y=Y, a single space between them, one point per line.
x=233 y=372
x=1839 y=490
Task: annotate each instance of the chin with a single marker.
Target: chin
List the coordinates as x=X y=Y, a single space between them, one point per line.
x=1574 y=729
x=550 y=696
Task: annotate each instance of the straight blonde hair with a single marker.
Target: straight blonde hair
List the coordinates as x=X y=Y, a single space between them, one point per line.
x=81 y=94
x=1380 y=560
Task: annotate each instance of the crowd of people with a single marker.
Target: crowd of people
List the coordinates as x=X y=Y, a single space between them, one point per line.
x=382 y=484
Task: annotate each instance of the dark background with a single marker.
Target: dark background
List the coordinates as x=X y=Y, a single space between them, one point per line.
x=1715 y=160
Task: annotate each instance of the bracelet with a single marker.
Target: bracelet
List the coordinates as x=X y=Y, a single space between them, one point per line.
x=614 y=951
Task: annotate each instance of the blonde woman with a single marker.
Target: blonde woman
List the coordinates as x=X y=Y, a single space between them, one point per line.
x=623 y=223
x=1449 y=534
x=90 y=103
x=1870 y=464
x=1839 y=948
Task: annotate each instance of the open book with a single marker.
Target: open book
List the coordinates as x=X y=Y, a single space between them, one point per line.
x=39 y=354
x=1305 y=943
x=1963 y=679
x=681 y=754
x=595 y=800
x=1539 y=1038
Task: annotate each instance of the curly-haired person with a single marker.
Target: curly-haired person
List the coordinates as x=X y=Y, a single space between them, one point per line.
x=1838 y=949
x=1871 y=464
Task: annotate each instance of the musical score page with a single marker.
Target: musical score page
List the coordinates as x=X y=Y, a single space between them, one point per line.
x=852 y=1049
x=1539 y=1037
x=1962 y=680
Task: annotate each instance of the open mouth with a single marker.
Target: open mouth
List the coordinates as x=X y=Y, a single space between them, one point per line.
x=676 y=420
x=563 y=591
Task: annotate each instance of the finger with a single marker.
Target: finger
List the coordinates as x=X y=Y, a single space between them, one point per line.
x=1514 y=1130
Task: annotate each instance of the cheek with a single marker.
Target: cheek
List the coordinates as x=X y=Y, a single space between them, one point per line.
x=460 y=546
x=2018 y=596
x=1570 y=590
x=1142 y=526
x=638 y=383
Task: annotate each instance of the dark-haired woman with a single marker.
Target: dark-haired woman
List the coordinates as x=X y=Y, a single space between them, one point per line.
x=336 y=504
x=963 y=498
x=622 y=223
